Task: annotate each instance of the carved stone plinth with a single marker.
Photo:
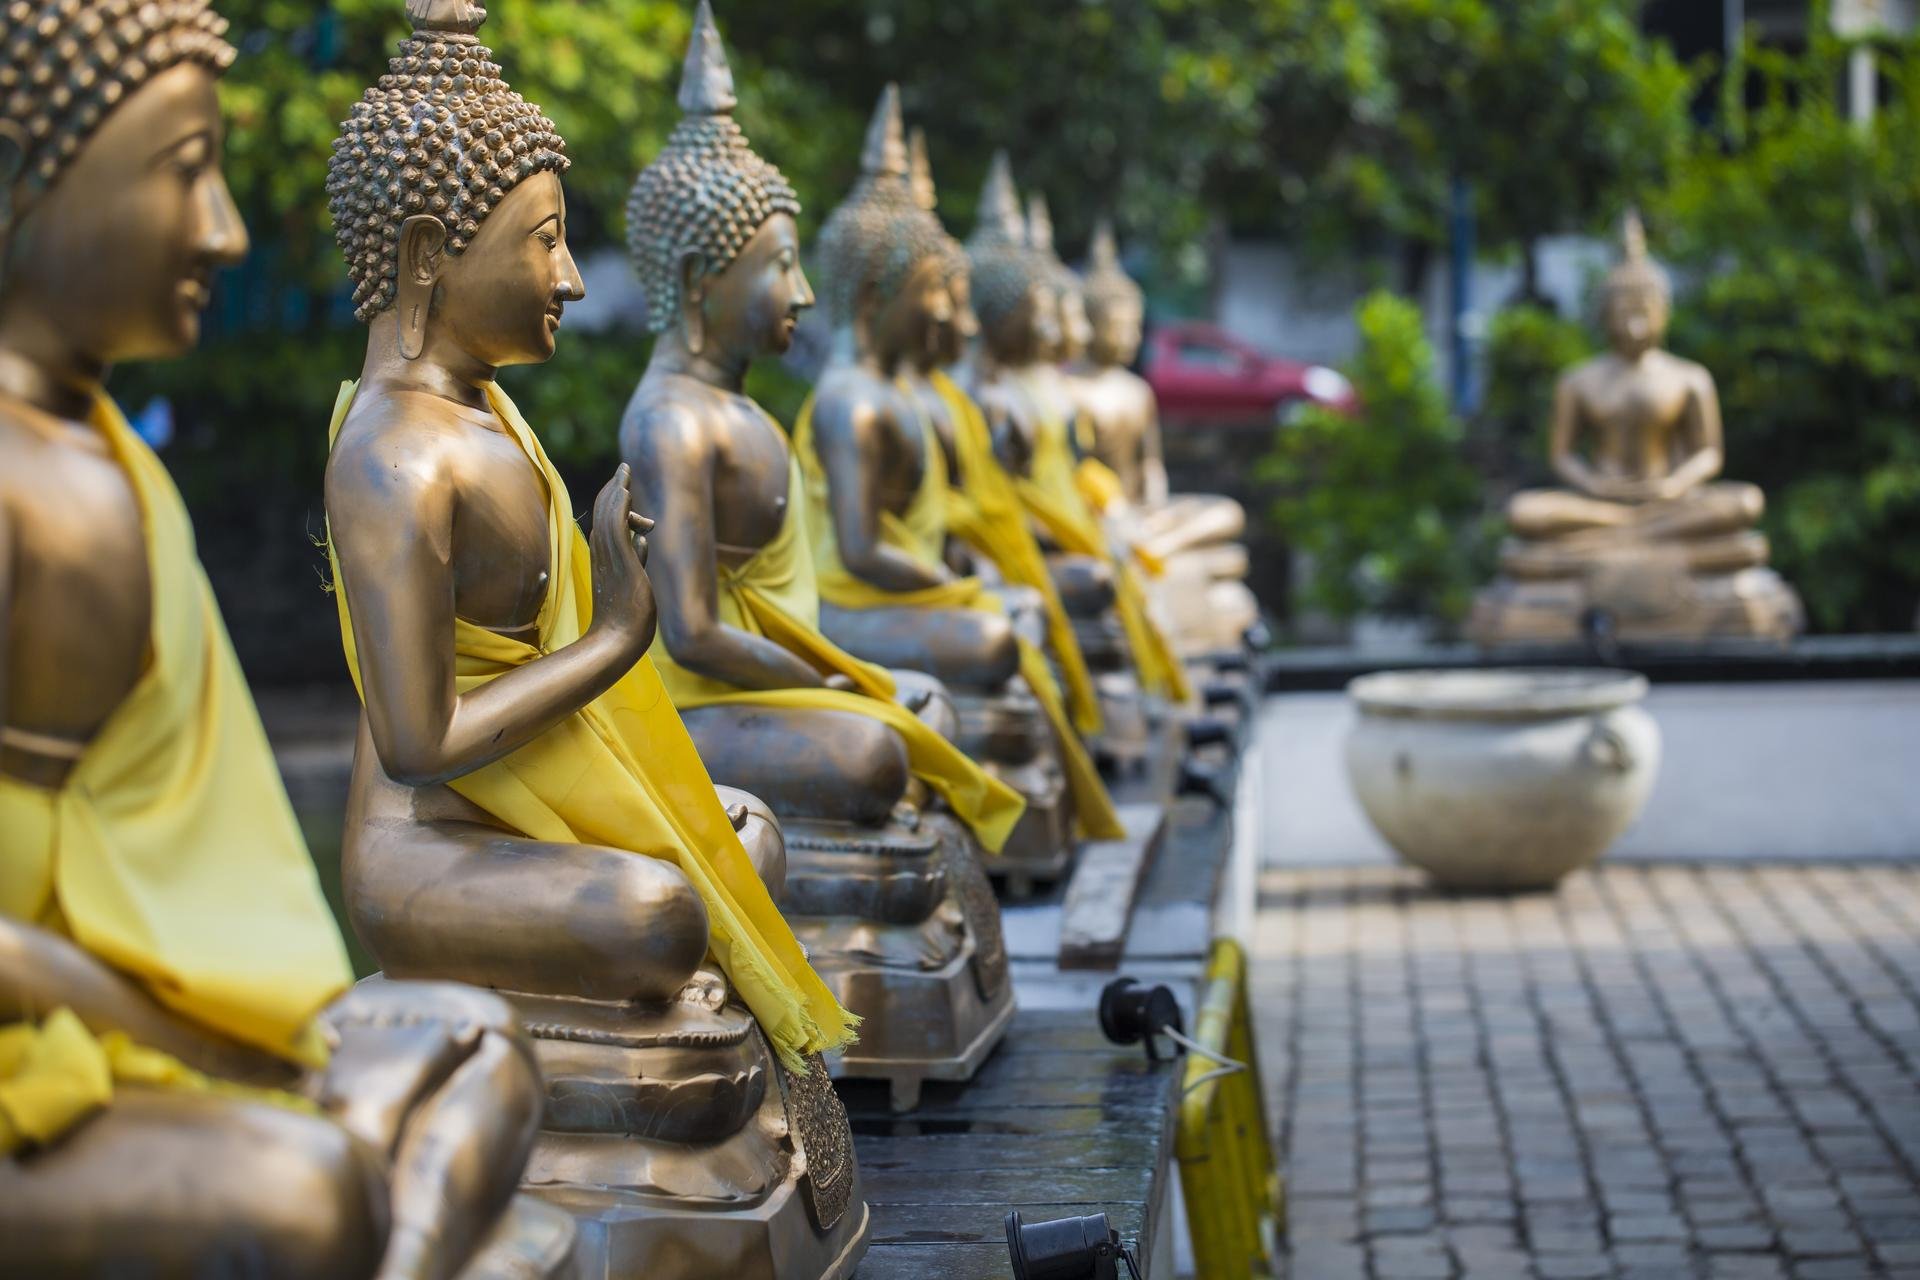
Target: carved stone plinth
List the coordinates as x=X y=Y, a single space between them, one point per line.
x=1126 y=739
x=1007 y=732
x=1648 y=595
x=902 y=925
x=684 y=1151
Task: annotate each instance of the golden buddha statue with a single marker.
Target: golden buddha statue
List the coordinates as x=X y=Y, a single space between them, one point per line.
x=986 y=520
x=888 y=895
x=184 y=1087
x=1024 y=300
x=526 y=809
x=1645 y=541
x=1192 y=539
x=876 y=492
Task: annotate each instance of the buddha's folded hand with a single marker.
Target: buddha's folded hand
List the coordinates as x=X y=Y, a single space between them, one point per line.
x=622 y=593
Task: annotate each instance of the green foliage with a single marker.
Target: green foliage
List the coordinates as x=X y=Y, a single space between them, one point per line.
x=1804 y=230
x=1527 y=349
x=605 y=73
x=1383 y=504
x=1348 y=120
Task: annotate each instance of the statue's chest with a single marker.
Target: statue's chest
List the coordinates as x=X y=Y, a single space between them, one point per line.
x=903 y=455
x=500 y=535
x=752 y=493
x=1634 y=405
x=1119 y=422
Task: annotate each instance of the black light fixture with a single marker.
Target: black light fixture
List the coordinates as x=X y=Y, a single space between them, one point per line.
x=1067 y=1249
x=1131 y=1013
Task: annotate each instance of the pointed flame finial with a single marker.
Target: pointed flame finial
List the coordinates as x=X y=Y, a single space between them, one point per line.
x=999 y=216
x=706 y=86
x=1633 y=237
x=885 y=154
x=1039 y=225
x=920 y=171
x=1103 y=254
x=447 y=17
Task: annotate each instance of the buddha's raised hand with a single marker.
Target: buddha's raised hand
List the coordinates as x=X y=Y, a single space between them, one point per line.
x=622 y=592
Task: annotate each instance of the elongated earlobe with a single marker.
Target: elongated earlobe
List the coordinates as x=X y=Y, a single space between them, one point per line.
x=693 y=300
x=13 y=162
x=423 y=240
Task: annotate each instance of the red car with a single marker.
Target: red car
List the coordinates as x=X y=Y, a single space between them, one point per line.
x=1203 y=375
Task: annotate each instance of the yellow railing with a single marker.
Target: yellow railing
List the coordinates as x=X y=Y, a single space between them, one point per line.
x=1236 y=1199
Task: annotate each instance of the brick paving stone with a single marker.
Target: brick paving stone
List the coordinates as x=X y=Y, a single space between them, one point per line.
x=1666 y=1071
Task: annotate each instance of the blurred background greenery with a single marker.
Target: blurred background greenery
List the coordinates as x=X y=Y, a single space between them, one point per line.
x=1340 y=126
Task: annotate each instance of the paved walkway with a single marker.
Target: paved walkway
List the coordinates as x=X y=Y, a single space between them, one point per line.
x=1662 y=1071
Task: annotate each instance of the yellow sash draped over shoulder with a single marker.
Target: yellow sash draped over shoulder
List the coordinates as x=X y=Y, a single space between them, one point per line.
x=622 y=773
x=774 y=594
x=171 y=851
x=921 y=532
x=1054 y=497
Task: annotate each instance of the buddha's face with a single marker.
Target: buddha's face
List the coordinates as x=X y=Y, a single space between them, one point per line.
x=1076 y=331
x=502 y=300
x=1636 y=321
x=118 y=257
x=963 y=326
x=1116 y=333
x=1043 y=311
x=910 y=324
x=753 y=307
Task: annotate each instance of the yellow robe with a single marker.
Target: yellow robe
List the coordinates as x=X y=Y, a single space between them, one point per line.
x=774 y=595
x=171 y=852
x=622 y=773
x=921 y=532
x=984 y=511
x=1054 y=497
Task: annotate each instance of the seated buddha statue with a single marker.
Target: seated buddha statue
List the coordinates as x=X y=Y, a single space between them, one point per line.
x=1645 y=534
x=187 y=1084
x=985 y=518
x=900 y=921
x=1023 y=301
x=1191 y=539
x=527 y=810
x=876 y=492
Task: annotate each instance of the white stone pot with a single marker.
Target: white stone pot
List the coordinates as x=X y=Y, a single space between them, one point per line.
x=1502 y=779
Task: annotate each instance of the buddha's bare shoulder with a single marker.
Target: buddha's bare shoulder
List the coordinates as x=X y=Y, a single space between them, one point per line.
x=670 y=416
x=41 y=456
x=1696 y=374
x=850 y=398
x=1592 y=373
x=397 y=442
x=848 y=386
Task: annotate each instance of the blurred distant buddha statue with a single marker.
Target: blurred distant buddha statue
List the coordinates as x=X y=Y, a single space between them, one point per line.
x=1027 y=299
x=889 y=899
x=527 y=810
x=876 y=486
x=1190 y=538
x=1646 y=542
x=184 y=1087
x=985 y=515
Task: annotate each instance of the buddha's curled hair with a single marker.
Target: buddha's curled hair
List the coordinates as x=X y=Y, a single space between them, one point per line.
x=1005 y=268
x=708 y=191
x=65 y=64
x=442 y=134
x=882 y=232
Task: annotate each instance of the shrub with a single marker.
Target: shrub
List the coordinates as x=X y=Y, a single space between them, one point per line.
x=1528 y=347
x=1804 y=230
x=1384 y=504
